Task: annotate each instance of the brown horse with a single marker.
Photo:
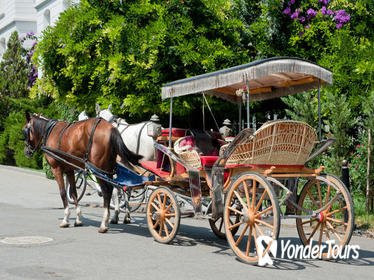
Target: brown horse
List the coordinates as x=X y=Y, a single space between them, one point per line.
x=93 y=141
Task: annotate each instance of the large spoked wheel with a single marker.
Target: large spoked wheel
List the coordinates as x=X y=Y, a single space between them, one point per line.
x=163 y=215
x=251 y=197
x=80 y=184
x=334 y=223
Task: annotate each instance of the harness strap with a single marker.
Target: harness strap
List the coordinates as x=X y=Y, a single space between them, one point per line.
x=61 y=134
x=50 y=125
x=88 y=149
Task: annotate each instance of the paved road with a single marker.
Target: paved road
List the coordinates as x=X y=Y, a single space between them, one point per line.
x=30 y=206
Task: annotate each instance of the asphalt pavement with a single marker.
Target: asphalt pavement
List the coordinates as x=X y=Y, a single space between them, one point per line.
x=32 y=246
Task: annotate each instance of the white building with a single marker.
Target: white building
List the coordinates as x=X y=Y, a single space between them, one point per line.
x=27 y=16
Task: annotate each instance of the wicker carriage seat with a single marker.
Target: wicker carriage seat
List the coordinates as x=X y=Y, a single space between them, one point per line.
x=280 y=142
x=189 y=150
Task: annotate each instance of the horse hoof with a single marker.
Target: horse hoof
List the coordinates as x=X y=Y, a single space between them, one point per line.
x=127 y=221
x=78 y=224
x=103 y=230
x=64 y=225
x=114 y=221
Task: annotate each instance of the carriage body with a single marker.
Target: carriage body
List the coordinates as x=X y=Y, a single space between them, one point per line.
x=258 y=178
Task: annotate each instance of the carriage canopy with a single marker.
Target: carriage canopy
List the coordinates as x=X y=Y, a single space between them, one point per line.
x=267 y=78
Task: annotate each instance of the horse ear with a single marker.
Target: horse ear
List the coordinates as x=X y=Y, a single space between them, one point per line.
x=27 y=115
x=97 y=108
x=110 y=107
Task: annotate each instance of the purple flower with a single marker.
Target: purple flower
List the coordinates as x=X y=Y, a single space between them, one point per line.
x=326 y=2
x=30 y=34
x=339 y=25
x=63 y=46
x=341 y=17
x=120 y=1
x=302 y=19
x=330 y=12
x=311 y=13
x=34 y=44
x=307 y=27
x=295 y=14
x=287 y=11
x=153 y=37
x=301 y=33
x=324 y=10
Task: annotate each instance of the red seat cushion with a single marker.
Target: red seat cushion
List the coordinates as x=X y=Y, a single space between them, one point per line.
x=208 y=160
x=176 y=132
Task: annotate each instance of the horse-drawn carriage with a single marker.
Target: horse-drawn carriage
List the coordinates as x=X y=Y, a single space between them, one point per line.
x=249 y=184
x=258 y=178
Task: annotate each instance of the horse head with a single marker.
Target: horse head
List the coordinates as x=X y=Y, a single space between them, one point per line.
x=83 y=116
x=106 y=114
x=33 y=131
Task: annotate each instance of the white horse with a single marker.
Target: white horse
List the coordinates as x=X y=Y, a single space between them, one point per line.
x=136 y=139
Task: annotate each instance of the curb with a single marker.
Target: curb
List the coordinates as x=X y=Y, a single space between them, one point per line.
x=22 y=170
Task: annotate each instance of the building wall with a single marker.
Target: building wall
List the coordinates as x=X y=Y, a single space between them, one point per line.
x=28 y=16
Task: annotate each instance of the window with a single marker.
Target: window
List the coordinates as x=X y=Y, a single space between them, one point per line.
x=46 y=18
x=2 y=46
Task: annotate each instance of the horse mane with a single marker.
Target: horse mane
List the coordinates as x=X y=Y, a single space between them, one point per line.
x=39 y=124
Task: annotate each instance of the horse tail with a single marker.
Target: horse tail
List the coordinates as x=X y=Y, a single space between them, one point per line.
x=121 y=149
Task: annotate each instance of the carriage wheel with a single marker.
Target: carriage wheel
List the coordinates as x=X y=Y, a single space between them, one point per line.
x=251 y=197
x=80 y=183
x=334 y=223
x=163 y=215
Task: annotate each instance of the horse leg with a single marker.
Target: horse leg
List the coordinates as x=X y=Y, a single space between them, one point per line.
x=107 y=190
x=57 y=172
x=73 y=189
x=115 y=198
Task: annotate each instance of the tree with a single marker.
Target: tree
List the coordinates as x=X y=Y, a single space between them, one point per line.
x=14 y=69
x=121 y=52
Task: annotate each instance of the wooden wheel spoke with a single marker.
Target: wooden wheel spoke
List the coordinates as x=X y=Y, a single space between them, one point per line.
x=255 y=239
x=264 y=223
x=264 y=211
x=312 y=198
x=241 y=201
x=155 y=206
x=337 y=221
x=235 y=210
x=170 y=223
x=259 y=229
x=328 y=193
x=156 y=224
x=260 y=201
x=320 y=235
x=336 y=211
x=166 y=230
x=267 y=248
x=170 y=215
x=241 y=235
x=169 y=206
x=319 y=193
x=159 y=199
x=161 y=228
x=221 y=224
x=246 y=192
x=309 y=221
x=234 y=225
x=254 y=194
x=313 y=232
x=164 y=202
x=333 y=230
x=249 y=241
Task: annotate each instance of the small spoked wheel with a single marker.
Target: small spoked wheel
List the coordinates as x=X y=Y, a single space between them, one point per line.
x=333 y=222
x=163 y=215
x=217 y=225
x=80 y=185
x=252 y=198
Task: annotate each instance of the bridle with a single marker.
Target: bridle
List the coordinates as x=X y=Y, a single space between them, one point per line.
x=26 y=133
